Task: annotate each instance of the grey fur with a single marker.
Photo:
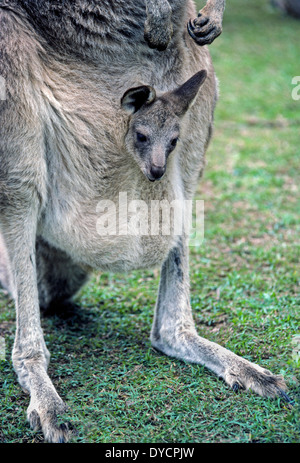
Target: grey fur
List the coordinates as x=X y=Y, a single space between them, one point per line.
x=67 y=141
x=5 y=273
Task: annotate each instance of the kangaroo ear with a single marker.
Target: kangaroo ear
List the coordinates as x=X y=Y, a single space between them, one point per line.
x=187 y=92
x=137 y=97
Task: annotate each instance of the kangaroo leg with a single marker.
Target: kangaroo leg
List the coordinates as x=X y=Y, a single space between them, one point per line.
x=5 y=271
x=208 y=25
x=174 y=333
x=30 y=355
x=58 y=277
x=23 y=190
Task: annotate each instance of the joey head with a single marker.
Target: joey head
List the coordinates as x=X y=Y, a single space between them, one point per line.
x=154 y=124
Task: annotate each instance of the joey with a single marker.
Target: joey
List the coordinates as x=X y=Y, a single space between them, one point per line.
x=154 y=127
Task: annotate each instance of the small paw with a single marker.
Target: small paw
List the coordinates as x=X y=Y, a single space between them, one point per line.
x=204 y=30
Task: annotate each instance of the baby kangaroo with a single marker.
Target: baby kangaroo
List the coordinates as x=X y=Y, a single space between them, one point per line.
x=92 y=113
x=154 y=126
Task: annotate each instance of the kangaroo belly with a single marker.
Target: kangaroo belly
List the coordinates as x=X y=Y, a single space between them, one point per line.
x=131 y=230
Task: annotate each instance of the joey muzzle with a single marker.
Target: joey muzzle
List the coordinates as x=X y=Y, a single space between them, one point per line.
x=156 y=172
x=158 y=163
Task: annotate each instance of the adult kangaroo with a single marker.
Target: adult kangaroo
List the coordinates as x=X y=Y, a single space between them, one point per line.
x=100 y=103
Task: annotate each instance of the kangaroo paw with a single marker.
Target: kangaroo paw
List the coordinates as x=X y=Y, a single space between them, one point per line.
x=204 y=29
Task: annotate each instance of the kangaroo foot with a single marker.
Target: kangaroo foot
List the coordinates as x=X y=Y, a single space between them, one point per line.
x=236 y=371
x=44 y=416
x=250 y=376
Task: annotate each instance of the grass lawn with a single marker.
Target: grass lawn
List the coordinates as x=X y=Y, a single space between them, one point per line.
x=244 y=278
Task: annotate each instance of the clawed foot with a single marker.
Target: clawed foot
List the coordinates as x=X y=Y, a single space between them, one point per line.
x=280 y=393
x=46 y=419
x=204 y=29
x=251 y=376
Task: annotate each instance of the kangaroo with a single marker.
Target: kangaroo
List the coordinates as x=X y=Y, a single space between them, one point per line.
x=92 y=111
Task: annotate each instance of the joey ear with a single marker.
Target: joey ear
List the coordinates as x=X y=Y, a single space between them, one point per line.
x=187 y=92
x=137 y=97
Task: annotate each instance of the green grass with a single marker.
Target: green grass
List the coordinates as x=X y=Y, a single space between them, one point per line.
x=244 y=278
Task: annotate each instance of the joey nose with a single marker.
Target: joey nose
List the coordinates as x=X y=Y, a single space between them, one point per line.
x=156 y=172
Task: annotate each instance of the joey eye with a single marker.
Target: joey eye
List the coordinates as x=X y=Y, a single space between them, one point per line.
x=141 y=137
x=174 y=142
